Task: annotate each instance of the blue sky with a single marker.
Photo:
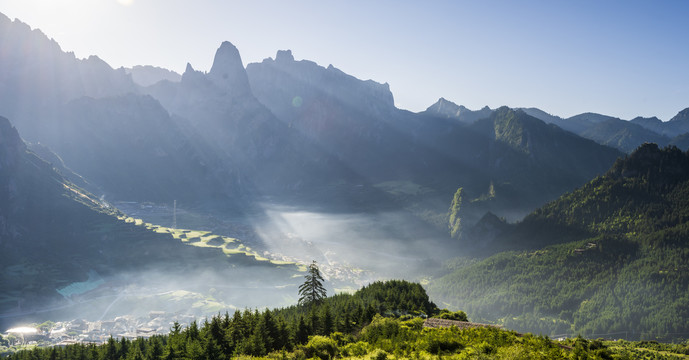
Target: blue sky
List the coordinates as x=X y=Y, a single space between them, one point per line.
x=619 y=58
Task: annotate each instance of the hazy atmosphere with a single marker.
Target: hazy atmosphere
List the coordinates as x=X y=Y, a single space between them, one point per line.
x=360 y=180
x=618 y=58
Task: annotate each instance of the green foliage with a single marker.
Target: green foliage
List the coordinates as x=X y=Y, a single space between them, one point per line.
x=449 y=315
x=453 y=214
x=356 y=349
x=607 y=258
x=387 y=339
x=322 y=347
x=312 y=290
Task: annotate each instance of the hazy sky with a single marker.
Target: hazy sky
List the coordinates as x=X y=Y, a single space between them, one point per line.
x=621 y=58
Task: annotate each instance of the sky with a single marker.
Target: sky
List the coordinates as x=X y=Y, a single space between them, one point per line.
x=622 y=58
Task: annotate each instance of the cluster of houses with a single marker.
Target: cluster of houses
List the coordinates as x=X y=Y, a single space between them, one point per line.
x=98 y=332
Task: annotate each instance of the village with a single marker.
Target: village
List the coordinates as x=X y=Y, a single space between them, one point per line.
x=64 y=333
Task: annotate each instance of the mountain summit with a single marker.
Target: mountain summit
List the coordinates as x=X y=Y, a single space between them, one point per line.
x=227 y=71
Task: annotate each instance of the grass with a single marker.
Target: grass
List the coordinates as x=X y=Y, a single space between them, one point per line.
x=206 y=239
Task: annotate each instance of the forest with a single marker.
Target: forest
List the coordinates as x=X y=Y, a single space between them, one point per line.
x=384 y=320
x=608 y=259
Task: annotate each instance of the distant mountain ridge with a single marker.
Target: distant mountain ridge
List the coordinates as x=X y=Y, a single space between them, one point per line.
x=31 y=92
x=296 y=131
x=451 y=110
x=356 y=121
x=147 y=75
x=53 y=233
x=606 y=130
x=609 y=256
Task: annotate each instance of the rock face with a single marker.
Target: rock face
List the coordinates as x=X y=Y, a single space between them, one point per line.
x=265 y=154
x=147 y=75
x=11 y=145
x=344 y=116
x=228 y=73
x=36 y=77
x=679 y=124
x=289 y=87
x=448 y=109
x=135 y=151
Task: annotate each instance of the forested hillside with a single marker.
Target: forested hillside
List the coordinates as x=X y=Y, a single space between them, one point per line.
x=351 y=327
x=621 y=268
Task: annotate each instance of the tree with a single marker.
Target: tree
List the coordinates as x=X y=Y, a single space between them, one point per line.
x=312 y=290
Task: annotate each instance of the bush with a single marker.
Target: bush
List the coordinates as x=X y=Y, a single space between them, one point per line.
x=378 y=354
x=457 y=315
x=415 y=324
x=380 y=328
x=357 y=349
x=321 y=347
x=443 y=341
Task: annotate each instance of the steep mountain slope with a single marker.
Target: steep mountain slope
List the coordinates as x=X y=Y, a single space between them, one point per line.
x=607 y=130
x=54 y=234
x=357 y=122
x=652 y=123
x=266 y=155
x=125 y=145
x=147 y=75
x=676 y=126
x=36 y=77
x=622 y=135
x=679 y=124
x=521 y=146
x=450 y=110
x=621 y=264
x=134 y=150
x=681 y=141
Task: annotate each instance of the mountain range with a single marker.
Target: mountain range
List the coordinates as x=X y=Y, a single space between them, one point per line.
x=511 y=185
x=606 y=258
x=282 y=129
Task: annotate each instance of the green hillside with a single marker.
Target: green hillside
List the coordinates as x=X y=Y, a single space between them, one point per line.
x=336 y=330
x=64 y=253
x=609 y=259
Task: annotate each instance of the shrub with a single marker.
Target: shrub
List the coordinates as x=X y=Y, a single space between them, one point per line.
x=358 y=349
x=442 y=341
x=321 y=347
x=380 y=328
x=378 y=354
x=457 y=315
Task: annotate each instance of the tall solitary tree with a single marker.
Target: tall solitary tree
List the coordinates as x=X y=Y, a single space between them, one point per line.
x=312 y=290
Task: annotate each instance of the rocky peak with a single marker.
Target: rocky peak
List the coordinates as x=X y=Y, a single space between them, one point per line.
x=682 y=116
x=449 y=109
x=284 y=56
x=445 y=107
x=227 y=71
x=311 y=80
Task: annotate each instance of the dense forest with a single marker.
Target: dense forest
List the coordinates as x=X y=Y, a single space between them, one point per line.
x=622 y=271
x=384 y=320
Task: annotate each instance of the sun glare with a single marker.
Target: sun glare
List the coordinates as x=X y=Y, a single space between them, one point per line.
x=125 y=2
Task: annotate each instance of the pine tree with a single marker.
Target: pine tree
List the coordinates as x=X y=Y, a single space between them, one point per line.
x=312 y=290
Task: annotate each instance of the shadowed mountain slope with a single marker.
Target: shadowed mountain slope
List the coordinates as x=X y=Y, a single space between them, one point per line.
x=610 y=256
x=53 y=234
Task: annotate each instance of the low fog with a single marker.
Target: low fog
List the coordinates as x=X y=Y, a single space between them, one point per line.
x=352 y=250
x=354 y=247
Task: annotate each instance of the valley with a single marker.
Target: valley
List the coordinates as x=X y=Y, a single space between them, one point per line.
x=150 y=205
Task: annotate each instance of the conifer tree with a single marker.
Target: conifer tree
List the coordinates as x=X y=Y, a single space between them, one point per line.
x=312 y=290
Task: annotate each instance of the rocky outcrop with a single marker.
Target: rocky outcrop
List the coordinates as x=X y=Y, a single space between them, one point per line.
x=37 y=77
x=447 y=109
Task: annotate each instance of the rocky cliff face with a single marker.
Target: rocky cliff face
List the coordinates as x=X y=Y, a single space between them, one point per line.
x=290 y=88
x=447 y=109
x=265 y=154
x=36 y=77
x=11 y=146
